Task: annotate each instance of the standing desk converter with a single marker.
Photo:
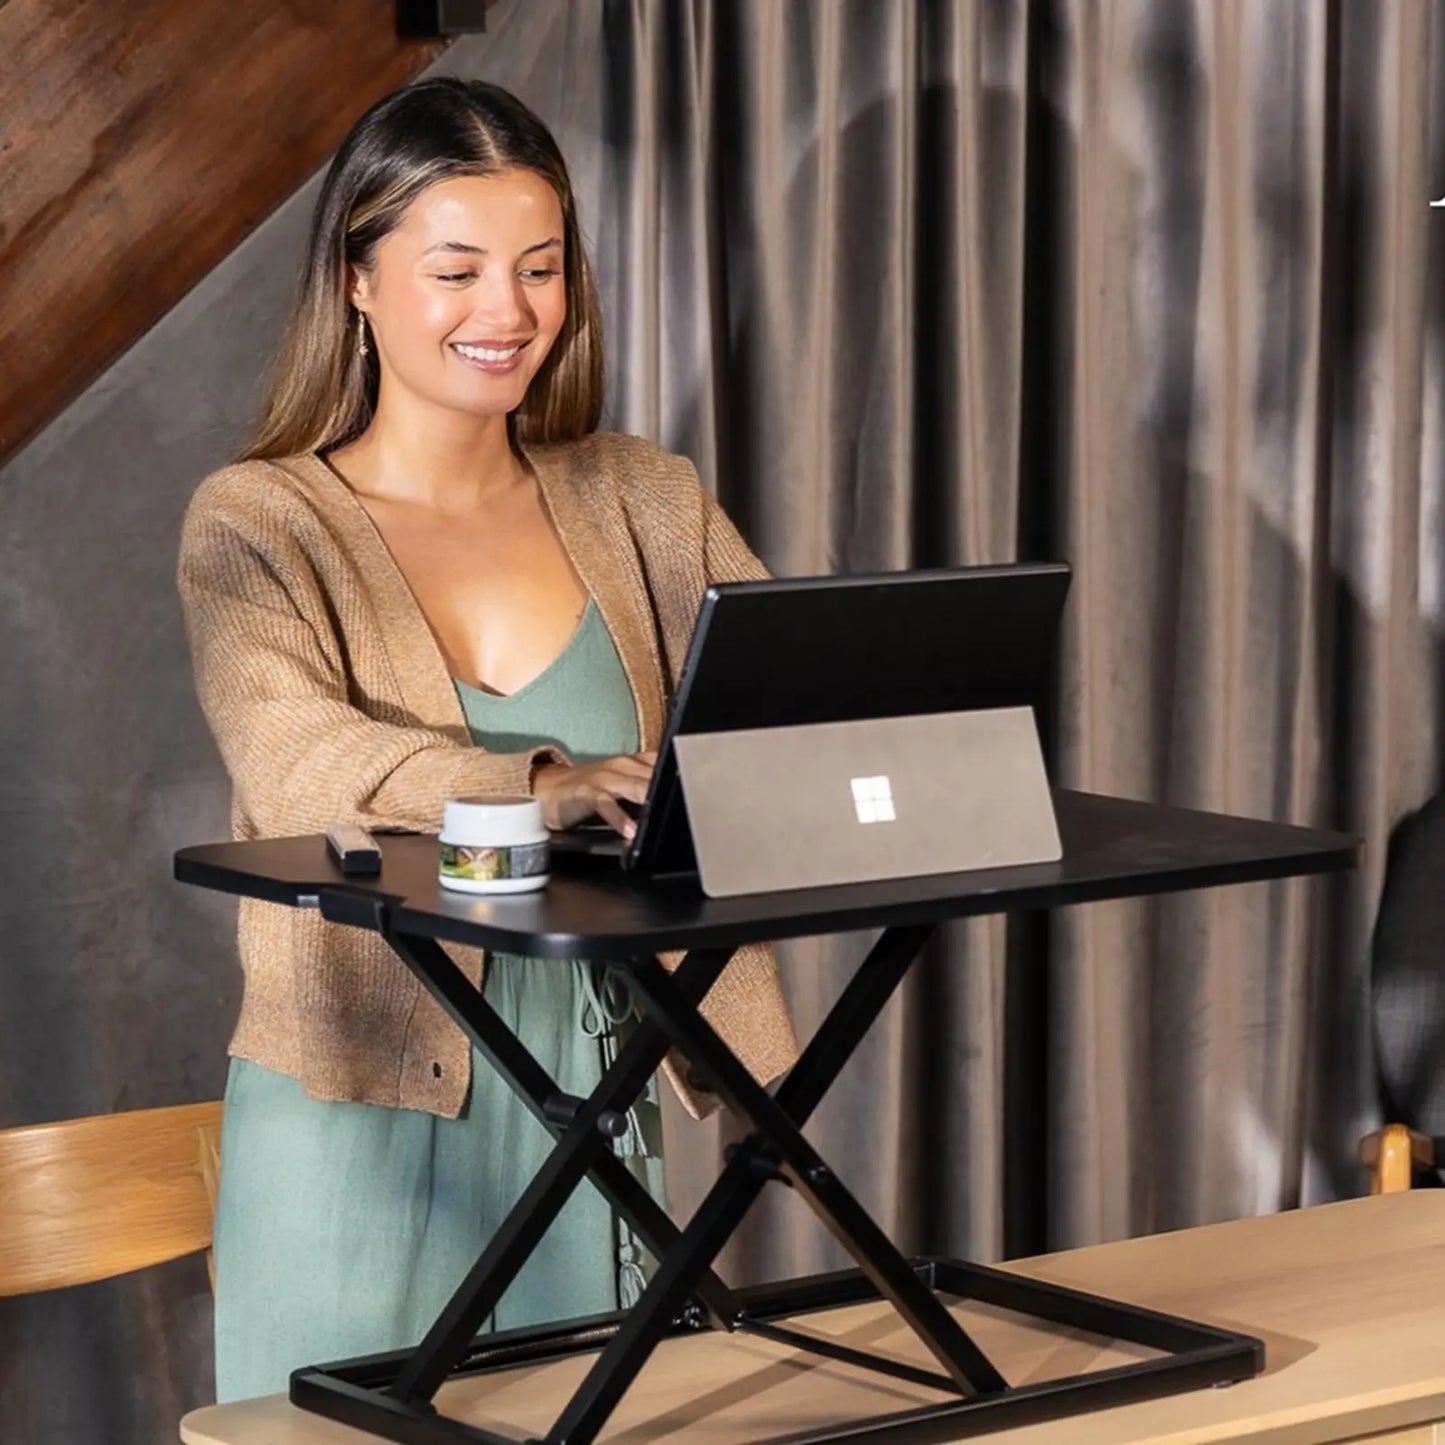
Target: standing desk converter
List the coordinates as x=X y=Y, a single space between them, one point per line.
x=1112 y=848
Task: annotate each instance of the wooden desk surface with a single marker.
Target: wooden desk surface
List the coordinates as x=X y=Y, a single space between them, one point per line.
x=1349 y=1299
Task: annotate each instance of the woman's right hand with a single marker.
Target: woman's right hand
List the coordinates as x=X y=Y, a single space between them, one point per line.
x=570 y=795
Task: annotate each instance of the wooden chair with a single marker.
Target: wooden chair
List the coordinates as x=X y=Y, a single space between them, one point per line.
x=1393 y=1154
x=88 y=1199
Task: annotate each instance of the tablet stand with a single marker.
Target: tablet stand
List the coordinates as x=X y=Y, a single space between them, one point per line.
x=824 y=804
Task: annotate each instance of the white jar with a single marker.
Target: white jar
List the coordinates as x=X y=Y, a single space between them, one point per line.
x=494 y=845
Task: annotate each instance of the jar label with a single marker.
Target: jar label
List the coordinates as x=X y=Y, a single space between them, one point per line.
x=522 y=860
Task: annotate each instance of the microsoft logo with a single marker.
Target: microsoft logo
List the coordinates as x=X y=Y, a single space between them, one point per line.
x=873 y=800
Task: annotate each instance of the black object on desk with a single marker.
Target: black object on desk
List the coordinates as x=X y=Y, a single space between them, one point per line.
x=1112 y=849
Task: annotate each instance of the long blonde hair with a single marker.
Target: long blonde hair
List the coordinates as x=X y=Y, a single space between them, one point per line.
x=322 y=391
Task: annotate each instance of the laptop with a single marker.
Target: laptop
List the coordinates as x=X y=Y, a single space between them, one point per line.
x=881 y=657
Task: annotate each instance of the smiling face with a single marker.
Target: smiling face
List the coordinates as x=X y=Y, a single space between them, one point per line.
x=465 y=297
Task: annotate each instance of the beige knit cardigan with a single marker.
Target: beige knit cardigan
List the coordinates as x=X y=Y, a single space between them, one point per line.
x=331 y=702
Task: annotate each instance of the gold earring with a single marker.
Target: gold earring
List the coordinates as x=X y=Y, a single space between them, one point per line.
x=361 y=347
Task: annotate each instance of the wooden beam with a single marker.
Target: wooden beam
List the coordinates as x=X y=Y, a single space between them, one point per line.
x=140 y=141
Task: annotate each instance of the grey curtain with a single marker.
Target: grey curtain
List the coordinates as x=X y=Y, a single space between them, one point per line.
x=1144 y=285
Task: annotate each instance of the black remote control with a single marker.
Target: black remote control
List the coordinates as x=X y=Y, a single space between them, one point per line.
x=354 y=849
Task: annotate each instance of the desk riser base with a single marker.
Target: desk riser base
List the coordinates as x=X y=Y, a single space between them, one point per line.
x=1194 y=1356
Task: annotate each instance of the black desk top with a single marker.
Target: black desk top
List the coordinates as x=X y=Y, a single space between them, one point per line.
x=1113 y=848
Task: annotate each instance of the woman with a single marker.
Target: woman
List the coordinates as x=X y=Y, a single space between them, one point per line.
x=429 y=578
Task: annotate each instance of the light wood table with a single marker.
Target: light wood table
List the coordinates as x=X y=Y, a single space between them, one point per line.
x=1348 y=1298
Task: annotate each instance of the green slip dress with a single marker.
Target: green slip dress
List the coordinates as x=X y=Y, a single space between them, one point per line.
x=342 y=1229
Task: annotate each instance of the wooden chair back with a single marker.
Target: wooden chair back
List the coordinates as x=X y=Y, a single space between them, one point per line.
x=1392 y=1155
x=87 y=1199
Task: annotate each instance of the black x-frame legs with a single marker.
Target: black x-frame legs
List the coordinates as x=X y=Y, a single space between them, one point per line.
x=391 y=1395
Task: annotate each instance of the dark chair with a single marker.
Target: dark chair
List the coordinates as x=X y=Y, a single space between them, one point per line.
x=1408 y=988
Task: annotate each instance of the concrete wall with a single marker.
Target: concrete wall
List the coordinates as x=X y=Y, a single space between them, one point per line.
x=120 y=986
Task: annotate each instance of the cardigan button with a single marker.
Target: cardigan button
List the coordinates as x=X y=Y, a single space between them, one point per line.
x=436 y=1070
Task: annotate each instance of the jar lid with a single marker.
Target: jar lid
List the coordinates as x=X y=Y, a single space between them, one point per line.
x=493 y=821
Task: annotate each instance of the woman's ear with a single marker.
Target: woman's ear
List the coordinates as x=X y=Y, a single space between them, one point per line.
x=358 y=288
